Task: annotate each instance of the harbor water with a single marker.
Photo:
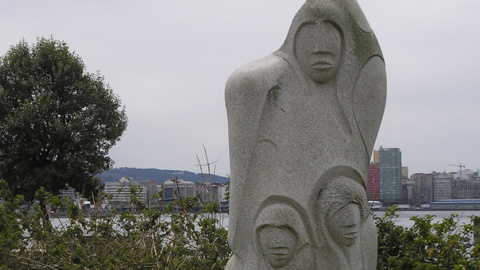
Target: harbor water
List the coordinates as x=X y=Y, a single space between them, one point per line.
x=403 y=219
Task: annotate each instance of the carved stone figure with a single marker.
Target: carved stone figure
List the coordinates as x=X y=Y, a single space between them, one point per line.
x=343 y=226
x=303 y=116
x=281 y=238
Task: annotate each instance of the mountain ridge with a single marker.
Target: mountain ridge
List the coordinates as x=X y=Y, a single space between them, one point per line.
x=158 y=175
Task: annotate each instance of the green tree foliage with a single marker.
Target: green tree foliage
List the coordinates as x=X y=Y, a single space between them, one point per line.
x=57 y=121
x=428 y=245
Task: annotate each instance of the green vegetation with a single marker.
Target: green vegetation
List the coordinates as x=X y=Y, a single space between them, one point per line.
x=57 y=122
x=426 y=245
x=169 y=237
x=172 y=237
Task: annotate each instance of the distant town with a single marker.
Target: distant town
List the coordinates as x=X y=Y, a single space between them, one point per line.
x=166 y=186
x=388 y=183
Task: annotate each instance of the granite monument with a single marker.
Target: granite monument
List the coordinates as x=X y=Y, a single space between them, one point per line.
x=302 y=127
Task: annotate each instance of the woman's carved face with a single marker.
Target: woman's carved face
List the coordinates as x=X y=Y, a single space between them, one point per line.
x=344 y=225
x=318 y=50
x=277 y=245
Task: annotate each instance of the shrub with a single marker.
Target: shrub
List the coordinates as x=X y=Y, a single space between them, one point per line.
x=171 y=236
x=164 y=237
x=427 y=244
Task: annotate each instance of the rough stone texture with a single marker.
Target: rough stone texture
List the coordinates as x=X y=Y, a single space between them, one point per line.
x=302 y=126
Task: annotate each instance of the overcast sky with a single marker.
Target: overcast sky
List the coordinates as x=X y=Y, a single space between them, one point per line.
x=168 y=61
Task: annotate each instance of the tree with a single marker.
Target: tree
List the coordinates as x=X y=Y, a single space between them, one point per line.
x=57 y=121
x=428 y=244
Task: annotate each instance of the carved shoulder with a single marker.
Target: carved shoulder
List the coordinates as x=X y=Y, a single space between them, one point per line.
x=369 y=100
x=245 y=95
x=255 y=78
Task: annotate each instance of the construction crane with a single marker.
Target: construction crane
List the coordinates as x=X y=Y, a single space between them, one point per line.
x=460 y=166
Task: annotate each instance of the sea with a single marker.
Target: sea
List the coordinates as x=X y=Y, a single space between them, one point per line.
x=404 y=216
x=403 y=219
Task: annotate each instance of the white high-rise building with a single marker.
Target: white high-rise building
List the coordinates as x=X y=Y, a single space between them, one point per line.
x=121 y=191
x=178 y=188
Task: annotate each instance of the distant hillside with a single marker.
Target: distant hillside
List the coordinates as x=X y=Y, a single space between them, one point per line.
x=158 y=175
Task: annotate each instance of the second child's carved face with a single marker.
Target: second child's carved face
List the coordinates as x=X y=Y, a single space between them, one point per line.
x=318 y=50
x=344 y=225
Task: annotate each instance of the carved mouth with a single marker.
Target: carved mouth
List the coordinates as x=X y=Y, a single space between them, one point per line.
x=322 y=65
x=351 y=235
x=279 y=253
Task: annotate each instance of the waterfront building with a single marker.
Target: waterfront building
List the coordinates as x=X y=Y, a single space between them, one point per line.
x=178 y=188
x=466 y=204
x=442 y=188
x=151 y=186
x=390 y=162
x=209 y=192
x=121 y=190
x=376 y=156
x=405 y=172
x=373 y=182
x=423 y=188
x=466 y=189
x=212 y=192
x=222 y=190
x=436 y=187
x=407 y=191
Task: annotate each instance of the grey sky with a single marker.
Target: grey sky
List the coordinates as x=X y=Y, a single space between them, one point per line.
x=169 y=60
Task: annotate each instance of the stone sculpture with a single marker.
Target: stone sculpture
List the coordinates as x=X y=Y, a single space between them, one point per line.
x=303 y=121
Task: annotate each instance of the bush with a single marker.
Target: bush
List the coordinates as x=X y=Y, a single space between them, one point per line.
x=427 y=244
x=165 y=237
x=173 y=237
